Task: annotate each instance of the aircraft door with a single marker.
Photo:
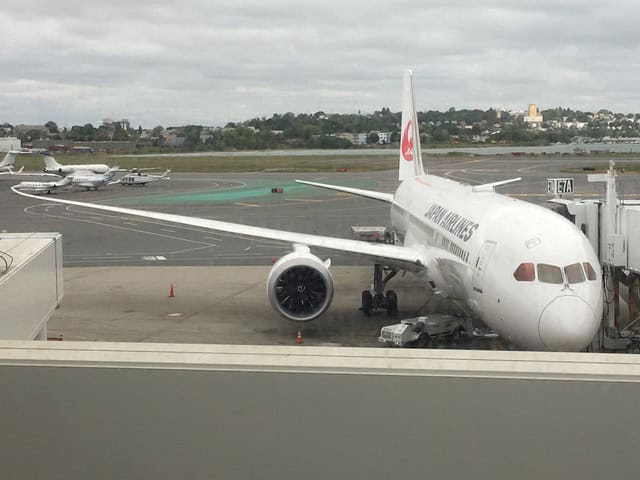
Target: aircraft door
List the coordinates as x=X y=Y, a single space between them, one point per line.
x=481 y=264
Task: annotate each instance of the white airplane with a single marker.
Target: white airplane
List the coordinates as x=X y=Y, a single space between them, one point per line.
x=7 y=163
x=55 y=168
x=44 y=187
x=92 y=181
x=525 y=271
x=138 y=178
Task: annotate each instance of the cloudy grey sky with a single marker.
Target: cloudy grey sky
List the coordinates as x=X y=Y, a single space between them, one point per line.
x=210 y=62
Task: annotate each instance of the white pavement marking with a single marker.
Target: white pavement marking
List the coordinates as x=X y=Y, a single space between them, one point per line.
x=130 y=223
x=168 y=230
x=247 y=249
x=212 y=238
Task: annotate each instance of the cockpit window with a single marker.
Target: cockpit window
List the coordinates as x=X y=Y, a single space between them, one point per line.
x=574 y=273
x=549 y=273
x=591 y=273
x=525 y=273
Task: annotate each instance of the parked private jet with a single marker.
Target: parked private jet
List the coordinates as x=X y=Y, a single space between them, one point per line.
x=44 y=187
x=92 y=181
x=525 y=271
x=55 y=168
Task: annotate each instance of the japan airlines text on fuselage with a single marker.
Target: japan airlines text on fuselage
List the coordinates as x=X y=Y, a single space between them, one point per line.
x=527 y=272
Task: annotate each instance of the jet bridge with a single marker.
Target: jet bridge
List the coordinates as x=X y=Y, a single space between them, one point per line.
x=613 y=228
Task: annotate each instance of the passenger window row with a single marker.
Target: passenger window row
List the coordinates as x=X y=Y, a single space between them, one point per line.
x=574 y=273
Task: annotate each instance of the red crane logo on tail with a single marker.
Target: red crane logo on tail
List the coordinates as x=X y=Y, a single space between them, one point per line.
x=406 y=146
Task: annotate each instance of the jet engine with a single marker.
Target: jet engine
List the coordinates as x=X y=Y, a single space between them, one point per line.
x=300 y=286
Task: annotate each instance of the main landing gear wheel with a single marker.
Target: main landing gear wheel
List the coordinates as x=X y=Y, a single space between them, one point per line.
x=378 y=300
x=392 y=303
x=367 y=302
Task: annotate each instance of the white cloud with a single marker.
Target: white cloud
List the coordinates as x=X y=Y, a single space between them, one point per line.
x=212 y=62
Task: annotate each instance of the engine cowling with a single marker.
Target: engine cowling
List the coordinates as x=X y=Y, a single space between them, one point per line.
x=300 y=286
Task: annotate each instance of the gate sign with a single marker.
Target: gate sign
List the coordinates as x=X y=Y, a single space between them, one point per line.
x=559 y=185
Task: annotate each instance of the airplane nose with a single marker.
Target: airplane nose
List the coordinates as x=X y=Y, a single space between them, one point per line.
x=567 y=324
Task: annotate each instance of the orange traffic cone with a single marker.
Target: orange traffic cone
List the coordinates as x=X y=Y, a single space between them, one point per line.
x=171 y=292
x=299 y=337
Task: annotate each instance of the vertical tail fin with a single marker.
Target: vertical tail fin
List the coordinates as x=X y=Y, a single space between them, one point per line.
x=109 y=174
x=9 y=159
x=51 y=163
x=410 y=153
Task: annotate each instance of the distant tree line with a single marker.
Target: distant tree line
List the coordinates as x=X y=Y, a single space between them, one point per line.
x=322 y=130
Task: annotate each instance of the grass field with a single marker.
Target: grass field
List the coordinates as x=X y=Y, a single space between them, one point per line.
x=225 y=164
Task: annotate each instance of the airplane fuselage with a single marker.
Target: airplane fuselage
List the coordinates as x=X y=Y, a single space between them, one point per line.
x=525 y=271
x=70 y=169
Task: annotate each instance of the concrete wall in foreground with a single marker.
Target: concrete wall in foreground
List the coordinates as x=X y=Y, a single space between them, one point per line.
x=32 y=287
x=80 y=410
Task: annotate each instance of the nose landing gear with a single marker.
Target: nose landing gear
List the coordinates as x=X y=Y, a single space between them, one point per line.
x=378 y=300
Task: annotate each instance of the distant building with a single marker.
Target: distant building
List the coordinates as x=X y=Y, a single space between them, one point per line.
x=361 y=139
x=352 y=137
x=173 y=140
x=22 y=129
x=384 y=137
x=124 y=124
x=9 y=143
x=533 y=115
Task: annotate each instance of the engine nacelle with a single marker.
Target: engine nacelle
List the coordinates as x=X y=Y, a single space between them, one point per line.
x=300 y=286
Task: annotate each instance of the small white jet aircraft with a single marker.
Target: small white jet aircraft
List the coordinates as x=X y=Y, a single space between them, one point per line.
x=92 y=181
x=44 y=187
x=6 y=166
x=55 y=168
x=138 y=178
x=525 y=271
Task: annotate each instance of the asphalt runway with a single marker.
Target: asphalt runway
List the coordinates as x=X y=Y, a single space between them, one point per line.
x=225 y=302
x=93 y=238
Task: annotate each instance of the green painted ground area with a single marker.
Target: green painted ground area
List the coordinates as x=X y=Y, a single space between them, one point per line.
x=259 y=190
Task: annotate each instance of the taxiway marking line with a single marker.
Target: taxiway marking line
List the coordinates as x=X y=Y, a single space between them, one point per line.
x=247 y=205
x=301 y=200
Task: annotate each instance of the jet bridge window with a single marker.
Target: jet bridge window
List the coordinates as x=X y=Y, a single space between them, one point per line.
x=574 y=273
x=549 y=273
x=591 y=273
x=525 y=273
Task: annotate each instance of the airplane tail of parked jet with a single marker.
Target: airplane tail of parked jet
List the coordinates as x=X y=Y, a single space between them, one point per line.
x=410 y=153
x=51 y=164
x=111 y=173
x=9 y=159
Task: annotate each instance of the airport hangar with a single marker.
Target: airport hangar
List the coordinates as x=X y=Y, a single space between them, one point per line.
x=165 y=410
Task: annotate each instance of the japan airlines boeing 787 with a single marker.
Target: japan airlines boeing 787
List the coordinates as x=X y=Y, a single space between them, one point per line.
x=525 y=271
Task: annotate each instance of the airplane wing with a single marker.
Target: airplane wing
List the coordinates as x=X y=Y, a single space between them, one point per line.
x=490 y=187
x=403 y=257
x=134 y=170
x=383 y=197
